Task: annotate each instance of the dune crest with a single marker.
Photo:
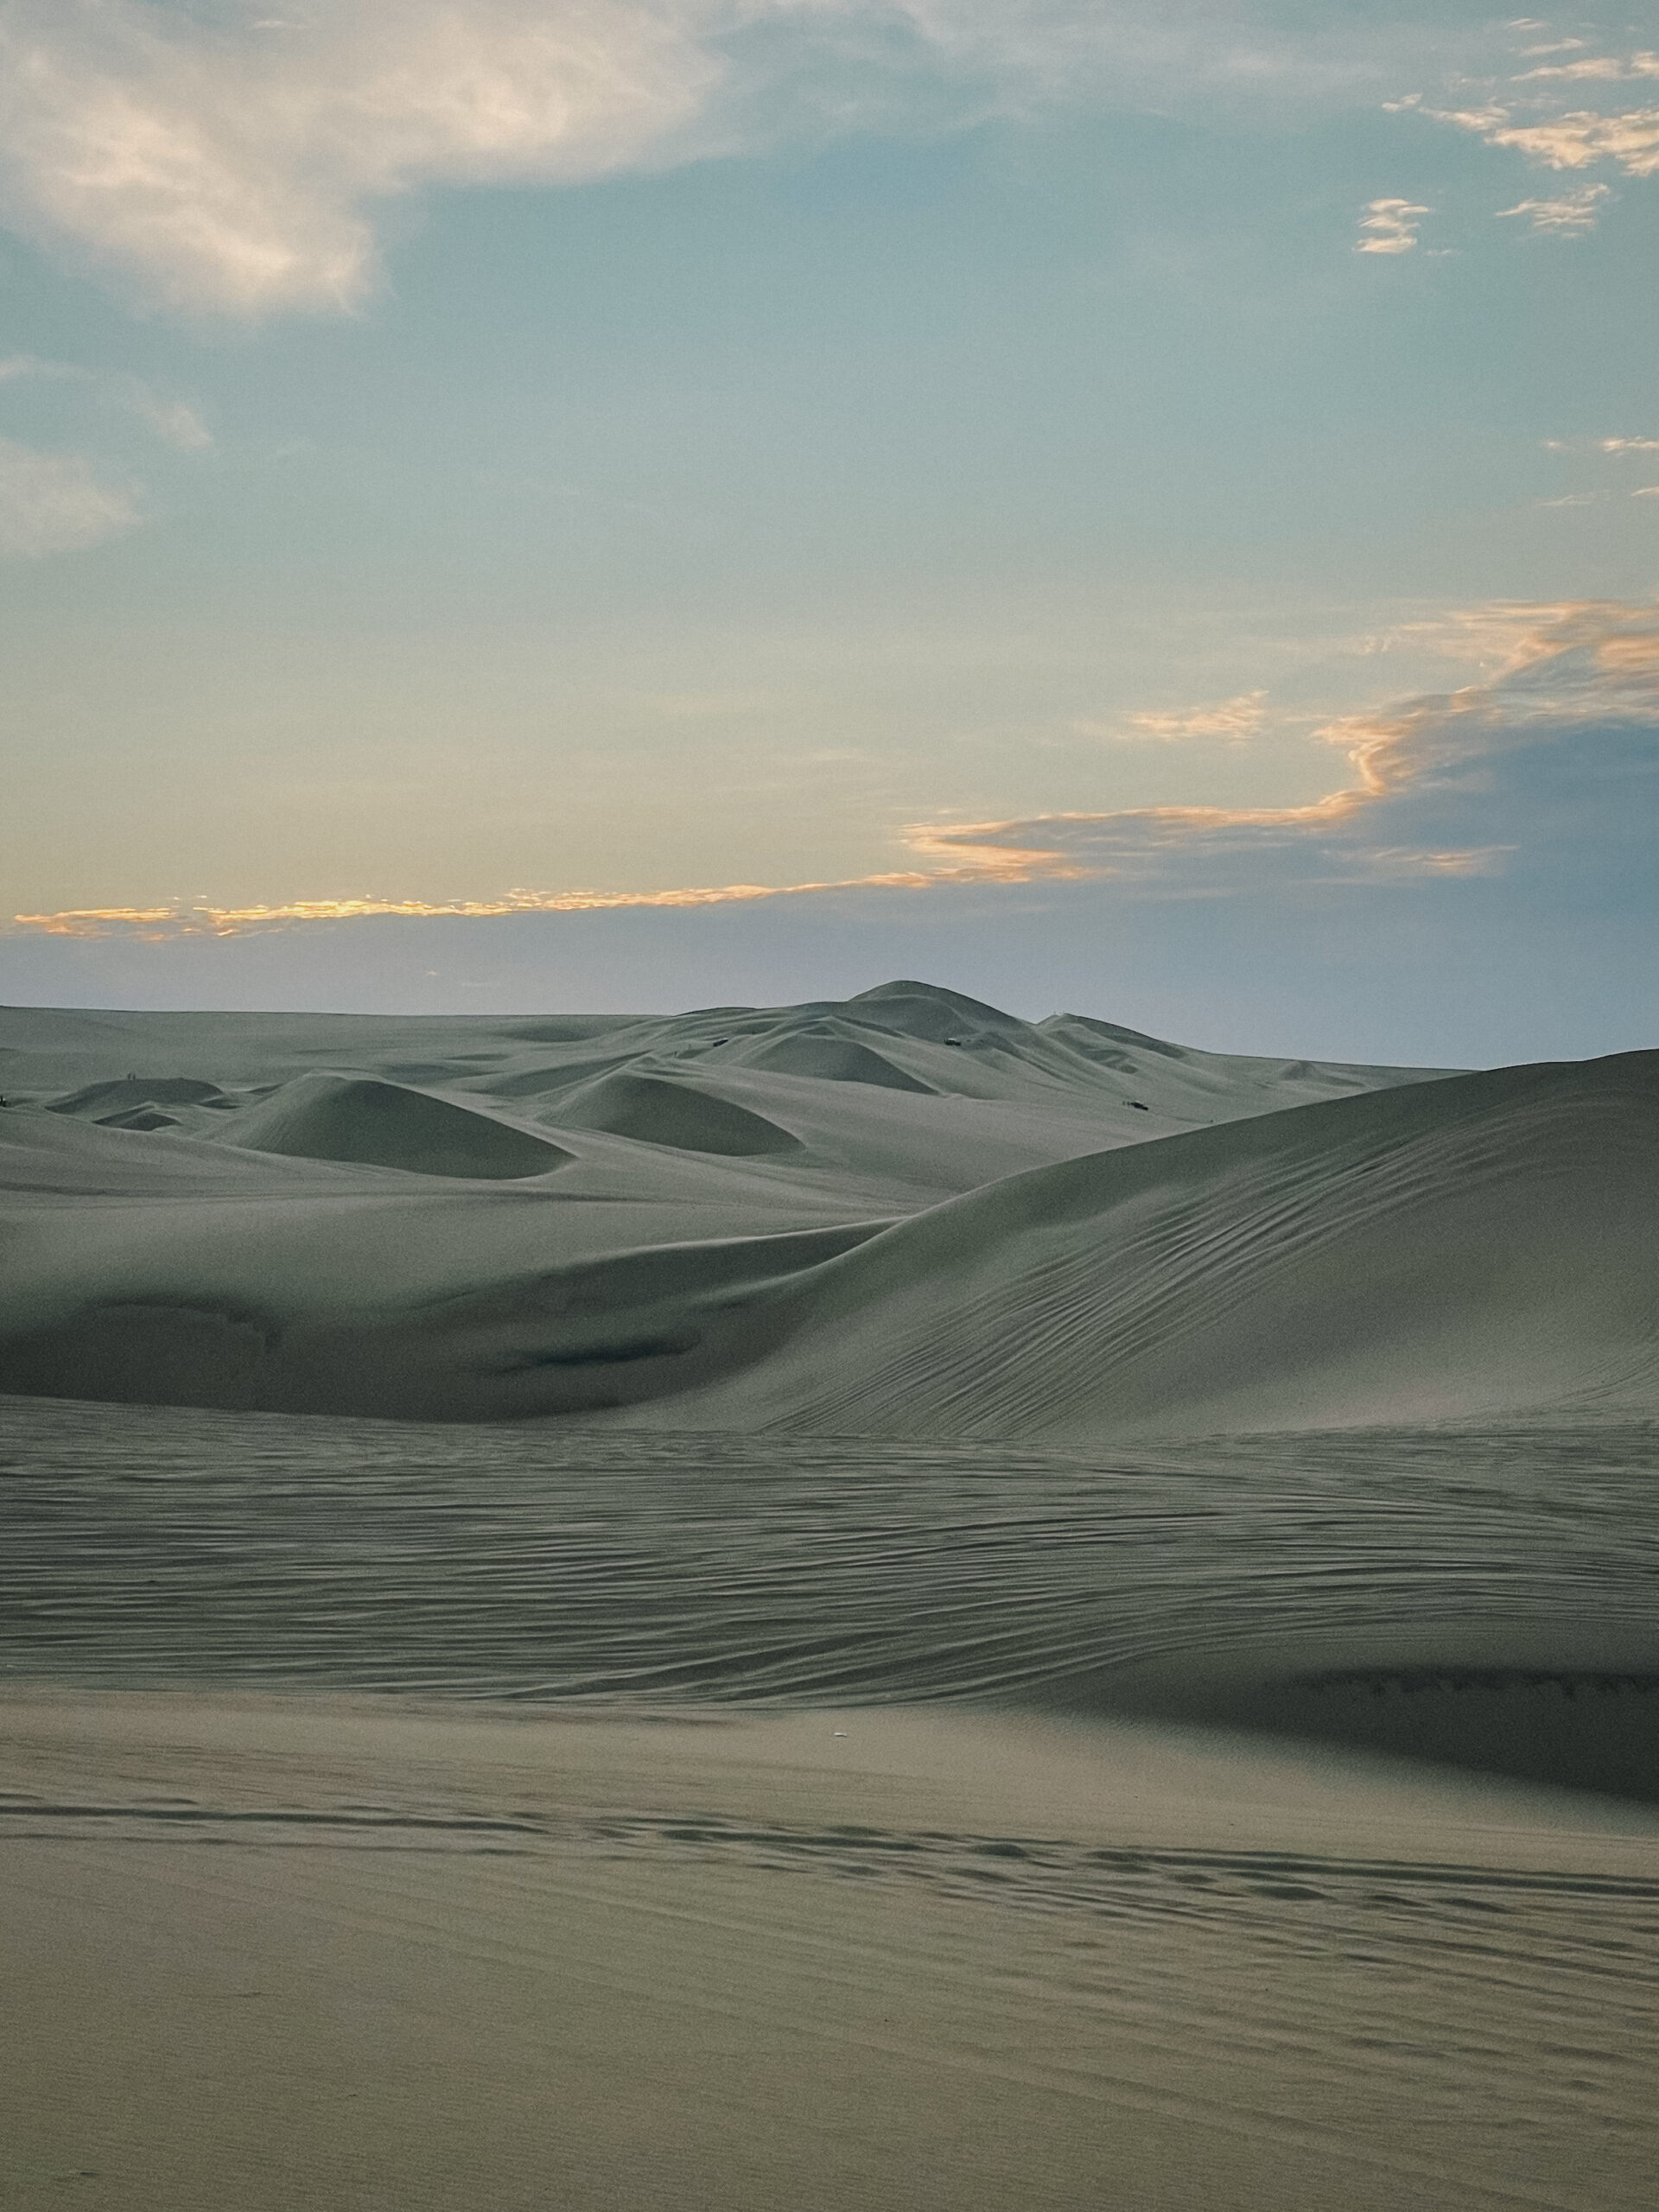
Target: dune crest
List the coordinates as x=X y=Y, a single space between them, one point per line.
x=1482 y=1245
x=657 y=1110
x=362 y=1120
x=962 y=1225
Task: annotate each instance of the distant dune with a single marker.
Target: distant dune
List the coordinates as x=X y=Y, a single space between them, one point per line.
x=905 y=1215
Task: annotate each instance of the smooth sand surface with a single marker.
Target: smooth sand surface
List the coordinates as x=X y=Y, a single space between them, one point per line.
x=848 y=1605
x=296 y=1952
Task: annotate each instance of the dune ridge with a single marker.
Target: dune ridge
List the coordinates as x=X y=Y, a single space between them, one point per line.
x=1018 y=1231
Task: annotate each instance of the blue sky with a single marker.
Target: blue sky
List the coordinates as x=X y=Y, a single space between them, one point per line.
x=476 y=479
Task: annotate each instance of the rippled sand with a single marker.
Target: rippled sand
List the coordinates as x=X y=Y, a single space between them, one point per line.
x=1485 y=1595
x=572 y=1834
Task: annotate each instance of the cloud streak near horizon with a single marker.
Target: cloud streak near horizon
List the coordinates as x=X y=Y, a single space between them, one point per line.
x=1460 y=784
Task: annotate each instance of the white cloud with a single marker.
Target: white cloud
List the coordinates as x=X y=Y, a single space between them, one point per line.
x=1615 y=447
x=1390 y=226
x=1569 y=216
x=1529 y=114
x=1606 y=68
x=232 y=160
x=171 y=420
x=1575 y=140
x=54 y=503
x=231 y=171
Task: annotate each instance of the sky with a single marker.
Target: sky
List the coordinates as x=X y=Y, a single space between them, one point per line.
x=614 y=505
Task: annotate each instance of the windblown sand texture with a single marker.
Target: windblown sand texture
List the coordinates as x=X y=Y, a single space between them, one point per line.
x=841 y=1606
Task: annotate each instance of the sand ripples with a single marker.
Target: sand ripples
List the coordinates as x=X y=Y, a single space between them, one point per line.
x=1374 y=1579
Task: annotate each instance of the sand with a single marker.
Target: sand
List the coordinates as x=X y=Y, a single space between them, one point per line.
x=285 y=1953
x=861 y=1604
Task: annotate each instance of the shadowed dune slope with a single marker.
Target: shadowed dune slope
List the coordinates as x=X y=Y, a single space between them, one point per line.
x=358 y=1118
x=132 y=1093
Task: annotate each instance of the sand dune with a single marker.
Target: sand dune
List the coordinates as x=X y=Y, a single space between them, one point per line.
x=657 y=1109
x=379 y=1124
x=829 y=1605
x=1062 y=1230
x=1478 y=1245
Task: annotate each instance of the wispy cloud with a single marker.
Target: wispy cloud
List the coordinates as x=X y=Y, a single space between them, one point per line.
x=1577 y=140
x=1461 y=783
x=230 y=168
x=1602 y=445
x=1604 y=68
x=1389 y=226
x=56 y=503
x=1570 y=215
x=238 y=162
x=1530 y=113
x=955 y=852
x=1238 y=719
x=174 y=422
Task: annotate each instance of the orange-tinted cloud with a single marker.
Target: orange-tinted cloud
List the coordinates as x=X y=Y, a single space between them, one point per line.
x=1417 y=801
x=958 y=857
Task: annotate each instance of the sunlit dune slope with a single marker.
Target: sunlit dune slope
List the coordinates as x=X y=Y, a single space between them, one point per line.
x=1489 y=1243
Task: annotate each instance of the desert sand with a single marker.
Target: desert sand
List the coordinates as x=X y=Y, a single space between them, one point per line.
x=837 y=1605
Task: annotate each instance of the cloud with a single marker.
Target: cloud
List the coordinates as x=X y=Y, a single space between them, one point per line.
x=1390 y=226
x=1576 y=141
x=1569 y=216
x=54 y=503
x=1236 y=718
x=233 y=161
x=229 y=168
x=172 y=421
x=1605 y=68
x=1553 y=762
x=1529 y=115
